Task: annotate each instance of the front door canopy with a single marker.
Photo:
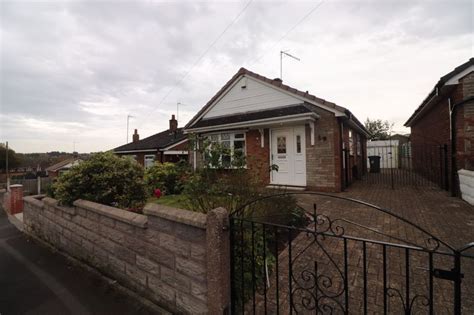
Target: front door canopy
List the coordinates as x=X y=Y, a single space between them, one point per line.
x=284 y=115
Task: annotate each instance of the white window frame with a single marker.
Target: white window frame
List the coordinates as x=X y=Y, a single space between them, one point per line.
x=145 y=160
x=231 y=139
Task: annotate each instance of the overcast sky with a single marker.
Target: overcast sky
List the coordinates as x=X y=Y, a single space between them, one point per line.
x=72 y=71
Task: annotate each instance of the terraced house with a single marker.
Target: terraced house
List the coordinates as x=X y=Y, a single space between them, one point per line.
x=315 y=143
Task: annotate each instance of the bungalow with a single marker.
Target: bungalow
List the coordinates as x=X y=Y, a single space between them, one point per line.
x=166 y=146
x=59 y=168
x=316 y=144
x=446 y=117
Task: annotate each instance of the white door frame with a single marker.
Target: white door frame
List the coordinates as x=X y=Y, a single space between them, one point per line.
x=293 y=151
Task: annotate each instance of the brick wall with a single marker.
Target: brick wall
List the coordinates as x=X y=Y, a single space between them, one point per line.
x=163 y=255
x=466 y=139
x=468 y=85
x=175 y=157
x=258 y=158
x=433 y=128
x=322 y=159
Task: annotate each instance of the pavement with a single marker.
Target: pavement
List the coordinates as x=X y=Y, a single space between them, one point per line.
x=36 y=280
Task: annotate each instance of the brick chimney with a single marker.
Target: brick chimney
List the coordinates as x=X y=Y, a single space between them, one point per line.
x=173 y=123
x=136 y=136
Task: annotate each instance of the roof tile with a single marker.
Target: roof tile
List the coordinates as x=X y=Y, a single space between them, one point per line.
x=157 y=141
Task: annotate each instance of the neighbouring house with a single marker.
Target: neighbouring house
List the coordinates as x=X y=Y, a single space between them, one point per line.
x=446 y=117
x=316 y=144
x=57 y=169
x=167 y=146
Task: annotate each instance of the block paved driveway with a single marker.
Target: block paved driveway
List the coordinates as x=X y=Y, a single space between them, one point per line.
x=34 y=280
x=449 y=219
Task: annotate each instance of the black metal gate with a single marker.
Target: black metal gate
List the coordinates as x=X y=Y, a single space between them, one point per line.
x=398 y=165
x=315 y=253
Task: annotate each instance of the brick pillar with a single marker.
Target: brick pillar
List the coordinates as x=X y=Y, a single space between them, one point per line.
x=218 y=261
x=16 y=199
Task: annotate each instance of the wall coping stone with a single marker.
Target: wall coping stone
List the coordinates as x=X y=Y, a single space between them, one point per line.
x=188 y=217
x=135 y=219
x=34 y=201
x=54 y=203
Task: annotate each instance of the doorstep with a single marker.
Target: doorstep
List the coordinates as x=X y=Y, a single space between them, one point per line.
x=286 y=187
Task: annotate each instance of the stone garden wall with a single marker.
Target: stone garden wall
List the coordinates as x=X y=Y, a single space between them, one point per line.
x=176 y=258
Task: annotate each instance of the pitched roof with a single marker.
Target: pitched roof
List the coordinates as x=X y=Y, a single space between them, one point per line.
x=157 y=141
x=279 y=84
x=61 y=164
x=251 y=116
x=438 y=85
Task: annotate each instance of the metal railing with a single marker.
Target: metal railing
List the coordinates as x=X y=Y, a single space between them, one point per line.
x=340 y=266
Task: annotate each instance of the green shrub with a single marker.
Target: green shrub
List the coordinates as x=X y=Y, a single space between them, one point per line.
x=233 y=186
x=104 y=178
x=168 y=177
x=208 y=189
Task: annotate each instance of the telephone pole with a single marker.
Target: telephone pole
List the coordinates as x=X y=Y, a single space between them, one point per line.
x=6 y=165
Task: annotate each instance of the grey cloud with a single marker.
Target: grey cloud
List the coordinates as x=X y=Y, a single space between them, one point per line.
x=94 y=62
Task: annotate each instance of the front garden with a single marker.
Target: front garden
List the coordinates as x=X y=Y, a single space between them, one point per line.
x=123 y=183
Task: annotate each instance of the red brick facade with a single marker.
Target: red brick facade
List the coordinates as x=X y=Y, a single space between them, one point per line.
x=354 y=164
x=258 y=158
x=324 y=168
x=433 y=126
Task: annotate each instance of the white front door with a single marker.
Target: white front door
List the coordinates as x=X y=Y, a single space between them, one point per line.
x=289 y=154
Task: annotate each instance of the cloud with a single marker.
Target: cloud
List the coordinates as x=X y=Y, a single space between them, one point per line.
x=72 y=71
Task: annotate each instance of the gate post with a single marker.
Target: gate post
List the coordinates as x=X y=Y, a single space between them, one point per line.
x=441 y=180
x=457 y=283
x=446 y=172
x=218 y=261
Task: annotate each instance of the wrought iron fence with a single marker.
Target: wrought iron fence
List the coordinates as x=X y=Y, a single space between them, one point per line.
x=342 y=265
x=396 y=165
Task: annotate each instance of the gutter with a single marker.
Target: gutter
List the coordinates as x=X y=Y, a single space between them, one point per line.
x=341 y=154
x=452 y=115
x=356 y=124
x=253 y=123
x=137 y=151
x=423 y=106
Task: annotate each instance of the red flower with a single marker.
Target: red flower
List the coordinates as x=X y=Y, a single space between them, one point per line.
x=157 y=193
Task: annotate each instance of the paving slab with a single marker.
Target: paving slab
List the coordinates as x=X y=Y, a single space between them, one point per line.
x=36 y=280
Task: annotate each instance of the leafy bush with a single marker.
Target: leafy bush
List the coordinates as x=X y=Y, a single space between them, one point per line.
x=233 y=186
x=168 y=177
x=208 y=189
x=104 y=178
x=253 y=258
